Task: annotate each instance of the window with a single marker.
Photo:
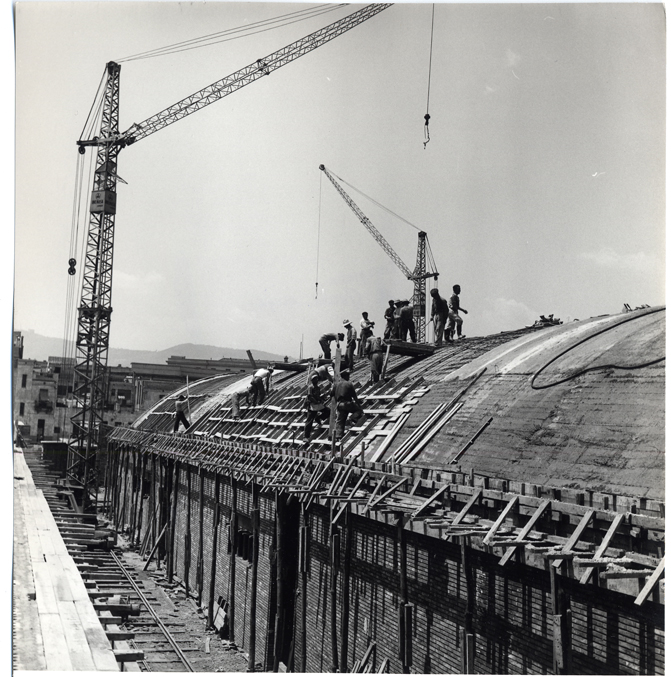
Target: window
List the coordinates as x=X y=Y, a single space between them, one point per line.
x=57 y=430
x=57 y=370
x=24 y=380
x=22 y=409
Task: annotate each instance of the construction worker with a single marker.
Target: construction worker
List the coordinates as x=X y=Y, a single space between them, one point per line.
x=453 y=315
x=266 y=375
x=389 y=317
x=347 y=402
x=181 y=406
x=375 y=352
x=439 y=313
x=323 y=373
x=407 y=322
x=396 y=331
x=236 y=396
x=315 y=404
x=325 y=343
x=350 y=346
x=257 y=389
x=366 y=331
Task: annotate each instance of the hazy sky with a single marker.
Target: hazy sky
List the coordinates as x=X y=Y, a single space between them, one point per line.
x=541 y=189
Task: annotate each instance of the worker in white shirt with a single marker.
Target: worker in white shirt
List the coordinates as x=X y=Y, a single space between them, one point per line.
x=366 y=331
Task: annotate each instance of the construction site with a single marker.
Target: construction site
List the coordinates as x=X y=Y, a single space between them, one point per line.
x=400 y=498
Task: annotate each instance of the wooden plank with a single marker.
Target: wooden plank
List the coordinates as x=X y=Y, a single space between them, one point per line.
x=617 y=520
x=547 y=503
x=471 y=502
x=500 y=519
x=575 y=536
x=80 y=653
x=652 y=581
x=428 y=502
x=56 y=651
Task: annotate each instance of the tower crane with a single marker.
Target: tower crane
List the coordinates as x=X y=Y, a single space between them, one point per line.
x=95 y=309
x=419 y=276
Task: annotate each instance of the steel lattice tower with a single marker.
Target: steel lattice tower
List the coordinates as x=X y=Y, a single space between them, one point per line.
x=94 y=313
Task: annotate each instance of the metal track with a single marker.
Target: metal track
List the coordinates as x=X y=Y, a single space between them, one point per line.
x=139 y=637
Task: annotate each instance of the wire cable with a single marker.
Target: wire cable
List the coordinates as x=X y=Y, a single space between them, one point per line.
x=427 y=117
x=601 y=366
x=381 y=206
x=319 y=228
x=229 y=34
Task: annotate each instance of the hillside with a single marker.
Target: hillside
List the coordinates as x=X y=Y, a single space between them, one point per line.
x=38 y=347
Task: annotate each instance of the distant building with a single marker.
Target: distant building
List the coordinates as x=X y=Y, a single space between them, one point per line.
x=43 y=400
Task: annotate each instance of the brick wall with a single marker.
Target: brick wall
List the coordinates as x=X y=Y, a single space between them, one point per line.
x=511 y=607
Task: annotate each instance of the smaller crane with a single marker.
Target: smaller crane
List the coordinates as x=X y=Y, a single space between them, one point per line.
x=419 y=276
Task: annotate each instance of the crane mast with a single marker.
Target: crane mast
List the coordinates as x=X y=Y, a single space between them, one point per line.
x=95 y=309
x=419 y=276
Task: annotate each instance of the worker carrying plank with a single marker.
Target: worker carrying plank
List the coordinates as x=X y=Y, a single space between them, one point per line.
x=350 y=345
x=325 y=343
x=375 y=354
x=453 y=315
x=316 y=406
x=366 y=332
x=439 y=314
x=347 y=402
x=181 y=406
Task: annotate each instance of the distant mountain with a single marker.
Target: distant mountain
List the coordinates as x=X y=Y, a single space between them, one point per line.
x=38 y=347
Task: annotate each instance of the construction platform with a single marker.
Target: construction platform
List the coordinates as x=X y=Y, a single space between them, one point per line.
x=55 y=626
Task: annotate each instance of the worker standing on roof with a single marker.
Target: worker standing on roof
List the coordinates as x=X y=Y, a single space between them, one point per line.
x=266 y=375
x=350 y=345
x=347 y=402
x=407 y=322
x=366 y=332
x=315 y=403
x=453 y=314
x=181 y=405
x=375 y=352
x=389 y=317
x=439 y=313
x=396 y=332
x=325 y=343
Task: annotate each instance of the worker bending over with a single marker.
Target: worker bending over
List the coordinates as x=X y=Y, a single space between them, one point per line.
x=258 y=390
x=439 y=313
x=266 y=375
x=325 y=343
x=453 y=314
x=347 y=402
x=350 y=345
x=374 y=353
x=181 y=406
x=236 y=396
x=315 y=403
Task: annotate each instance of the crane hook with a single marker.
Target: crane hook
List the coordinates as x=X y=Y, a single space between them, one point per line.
x=427 y=117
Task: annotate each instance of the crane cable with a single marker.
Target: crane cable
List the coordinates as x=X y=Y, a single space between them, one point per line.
x=427 y=117
x=319 y=228
x=228 y=34
x=368 y=197
x=601 y=366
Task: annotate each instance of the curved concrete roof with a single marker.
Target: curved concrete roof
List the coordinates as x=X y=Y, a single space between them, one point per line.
x=568 y=406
